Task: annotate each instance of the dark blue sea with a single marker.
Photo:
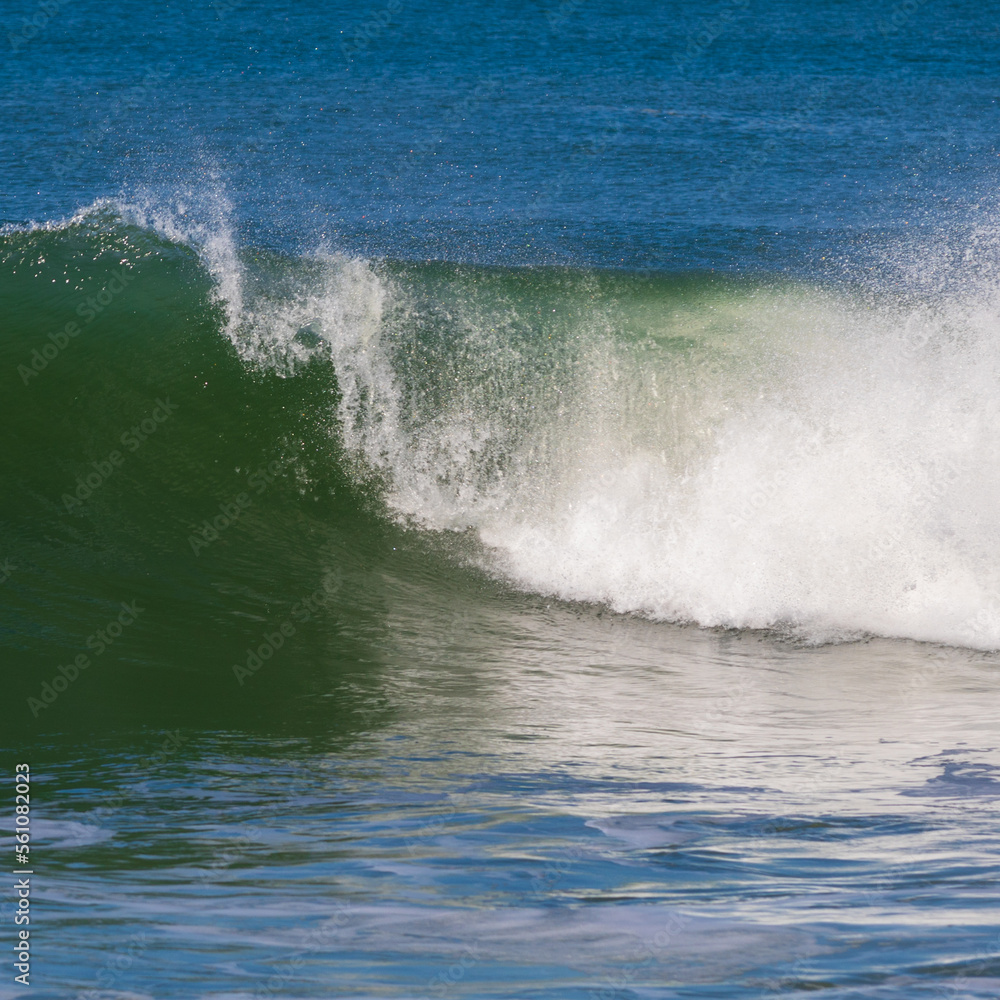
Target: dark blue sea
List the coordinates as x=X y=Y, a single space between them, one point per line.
x=499 y=501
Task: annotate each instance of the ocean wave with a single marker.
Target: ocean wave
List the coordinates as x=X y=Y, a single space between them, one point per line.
x=759 y=454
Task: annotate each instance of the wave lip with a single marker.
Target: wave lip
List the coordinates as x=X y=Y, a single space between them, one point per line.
x=764 y=455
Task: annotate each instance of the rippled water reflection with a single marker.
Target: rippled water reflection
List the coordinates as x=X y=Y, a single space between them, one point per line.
x=552 y=803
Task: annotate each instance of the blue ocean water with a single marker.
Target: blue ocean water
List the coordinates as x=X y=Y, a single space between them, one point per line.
x=567 y=564
x=740 y=135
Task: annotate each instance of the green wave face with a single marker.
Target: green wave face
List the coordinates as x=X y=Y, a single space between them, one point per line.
x=236 y=442
x=125 y=452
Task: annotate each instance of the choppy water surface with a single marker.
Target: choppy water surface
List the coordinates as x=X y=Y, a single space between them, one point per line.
x=558 y=804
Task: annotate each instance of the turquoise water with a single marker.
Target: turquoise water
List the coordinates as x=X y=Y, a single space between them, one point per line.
x=500 y=502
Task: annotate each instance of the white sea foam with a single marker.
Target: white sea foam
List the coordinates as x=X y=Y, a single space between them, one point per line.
x=824 y=463
x=833 y=472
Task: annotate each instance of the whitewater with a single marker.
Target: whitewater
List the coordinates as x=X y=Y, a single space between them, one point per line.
x=817 y=460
